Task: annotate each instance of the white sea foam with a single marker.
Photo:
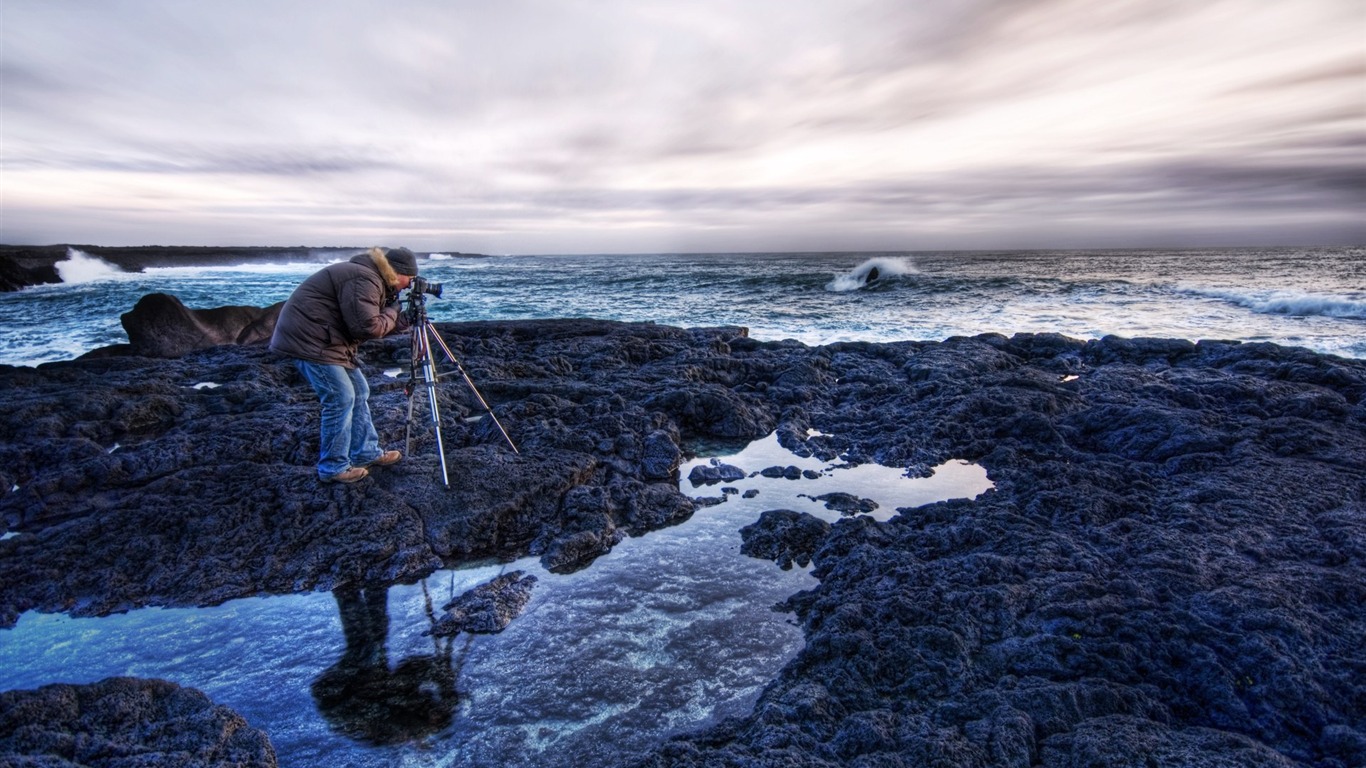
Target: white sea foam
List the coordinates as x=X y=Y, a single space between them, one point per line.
x=858 y=277
x=81 y=267
x=1289 y=302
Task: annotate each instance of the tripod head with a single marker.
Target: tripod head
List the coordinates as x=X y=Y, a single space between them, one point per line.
x=418 y=292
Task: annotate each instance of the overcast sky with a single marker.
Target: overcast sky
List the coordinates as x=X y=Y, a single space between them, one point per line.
x=565 y=126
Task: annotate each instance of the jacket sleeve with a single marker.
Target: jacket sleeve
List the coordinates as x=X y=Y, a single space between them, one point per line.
x=364 y=311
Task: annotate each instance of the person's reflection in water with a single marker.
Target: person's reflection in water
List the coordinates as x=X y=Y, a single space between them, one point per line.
x=363 y=698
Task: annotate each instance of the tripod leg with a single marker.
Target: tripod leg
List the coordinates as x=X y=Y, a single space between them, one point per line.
x=415 y=357
x=408 y=429
x=474 y=389
x=429 y=381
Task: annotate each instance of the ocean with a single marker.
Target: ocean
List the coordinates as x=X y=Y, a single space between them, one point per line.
x=1307 y=297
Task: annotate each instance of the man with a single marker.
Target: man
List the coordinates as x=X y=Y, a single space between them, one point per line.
x=321 y=326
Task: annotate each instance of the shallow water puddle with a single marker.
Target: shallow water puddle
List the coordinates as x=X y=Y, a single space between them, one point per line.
x=668 y=632
x=806 y=479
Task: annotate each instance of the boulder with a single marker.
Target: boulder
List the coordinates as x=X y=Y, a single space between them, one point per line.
x=715 y=473
x=160 y=325
x=785 y=537
x=846 y=503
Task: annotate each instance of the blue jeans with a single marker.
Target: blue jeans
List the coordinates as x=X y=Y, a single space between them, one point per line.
x=348 y=435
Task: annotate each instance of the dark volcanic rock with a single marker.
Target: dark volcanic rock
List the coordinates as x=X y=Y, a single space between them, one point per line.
x=715 y=473
x=785 y=537
x=660 y=456
x=1169 y=570
x=159 y=325
x=124 y=721
x=846 y=503
x=488 y=608
x=193 y=496
x=23 y=266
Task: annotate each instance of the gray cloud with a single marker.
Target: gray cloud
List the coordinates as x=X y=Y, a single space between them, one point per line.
x=193 y=160
x=577 y=125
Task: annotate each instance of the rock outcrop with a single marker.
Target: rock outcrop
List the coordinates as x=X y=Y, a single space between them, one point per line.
x=124 y=721
x=488 y=608
x=160 y=325
x=1170 y=568
x=21 y=267
x=785 y=537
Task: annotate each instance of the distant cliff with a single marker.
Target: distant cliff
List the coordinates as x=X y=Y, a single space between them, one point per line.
x=24 y=265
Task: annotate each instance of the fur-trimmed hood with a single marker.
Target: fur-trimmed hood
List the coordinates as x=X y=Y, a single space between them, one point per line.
x=386 y=270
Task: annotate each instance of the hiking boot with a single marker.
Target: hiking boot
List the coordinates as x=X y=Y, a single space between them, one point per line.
x=349 y=476
x=384 y=459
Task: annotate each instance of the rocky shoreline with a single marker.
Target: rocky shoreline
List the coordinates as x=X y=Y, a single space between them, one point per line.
x=1170 y=568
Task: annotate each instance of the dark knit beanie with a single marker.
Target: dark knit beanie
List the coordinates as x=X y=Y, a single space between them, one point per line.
x=403 y=261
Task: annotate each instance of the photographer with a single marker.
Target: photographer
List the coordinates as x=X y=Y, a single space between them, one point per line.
x=321 y=326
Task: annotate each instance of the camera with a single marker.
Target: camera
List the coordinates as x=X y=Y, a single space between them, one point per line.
x=418 y=290
x=422 y=285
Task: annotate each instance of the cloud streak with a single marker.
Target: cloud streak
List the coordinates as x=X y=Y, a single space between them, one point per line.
x=605 y=126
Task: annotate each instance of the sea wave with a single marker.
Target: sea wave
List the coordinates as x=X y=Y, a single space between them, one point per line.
x=1292 y=303
x=81 y=267
x=864 y=274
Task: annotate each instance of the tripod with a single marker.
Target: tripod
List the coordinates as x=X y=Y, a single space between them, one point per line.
x=422 y=360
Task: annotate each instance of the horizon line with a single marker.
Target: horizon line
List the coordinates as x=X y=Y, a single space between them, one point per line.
x=720 y=252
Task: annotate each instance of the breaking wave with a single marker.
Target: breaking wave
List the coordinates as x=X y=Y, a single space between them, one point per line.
x=864 y=274
x=1291 y=303
x=81 y=267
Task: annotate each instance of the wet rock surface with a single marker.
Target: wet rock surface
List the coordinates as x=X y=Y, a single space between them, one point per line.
x=846 y=503
x=785 y=537
x=1169 y=571
x=125 y=722
x=715 y=473
x=191 y=481
x=1171 y=566
x=488 y=608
